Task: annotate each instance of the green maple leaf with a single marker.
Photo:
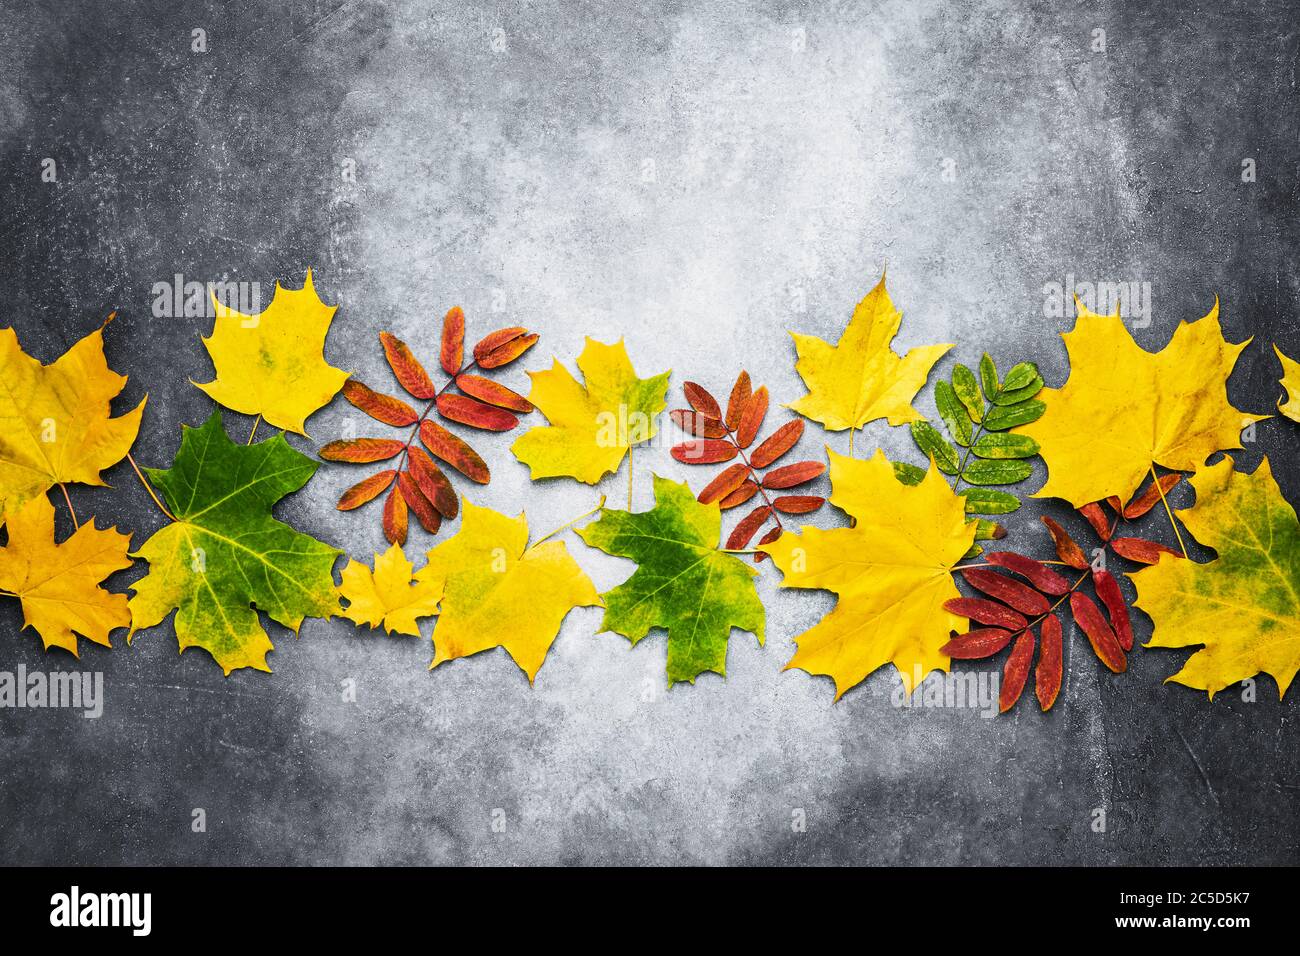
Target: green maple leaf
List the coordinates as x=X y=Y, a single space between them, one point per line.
x=683 y=583
x=224 y=553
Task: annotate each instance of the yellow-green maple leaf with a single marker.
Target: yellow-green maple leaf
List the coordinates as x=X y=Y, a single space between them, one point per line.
x=272 y=364
x=1124 y=408
x=55 y=423
x=387 y=595
x=860 y=378
x=891 y=571
x=1291 y=382
x=591 y=428
x=496 y=591
x=1244 y=606
x=58 y=583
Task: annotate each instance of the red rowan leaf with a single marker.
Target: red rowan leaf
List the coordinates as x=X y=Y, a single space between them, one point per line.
x=1015 y=672
x=977 y=644
x=381 y=407
x=787 y=476
x=727 y=481
x=406 y=367
x=367 y=489
x=1100 y=636
x=452 y=355
x=987 y=612
x=797 y=504
x=752 y=419
x=395 y=517
x=416 y=501
x=1007 y=590
x=777 y=444
x=738 y=497
x=1141 y=550
x=1151 y=496
x=476 y=414
x=1066 y=548
x=702 y=401
x=694 y=423
x=433 y=483
x=454 y=451
x=1037 y=573
x=768 y=538
x=1097 y=518
x=505 y=349
x=740 y=393
x=361 y=449
x=748 y=527
x=1047 y=679
x=1113 y=599
x=704 y=451
x=494 y=393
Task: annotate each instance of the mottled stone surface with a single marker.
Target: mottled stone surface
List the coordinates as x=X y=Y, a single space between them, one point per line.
x=696 y=178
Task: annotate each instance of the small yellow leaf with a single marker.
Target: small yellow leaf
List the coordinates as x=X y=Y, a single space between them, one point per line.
x=891 y=570
x=1124 y=408
x=497 y=591
x=58 y=584
x=387 y=595
x=591 y=428
x=1291 y=382
x=860 y=378
x=1244 y=606
x=54 y=419
x=272 y=364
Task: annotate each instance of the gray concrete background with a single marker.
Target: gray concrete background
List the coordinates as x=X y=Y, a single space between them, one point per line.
x=515 y=180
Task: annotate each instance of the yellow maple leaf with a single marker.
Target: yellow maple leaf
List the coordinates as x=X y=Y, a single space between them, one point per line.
x=55 y=423
x=498 y=591
x=272 y=364
x=387 y=595
x=860 y=378
x=1124 y=409
x=1291 y=382
x=891 y=571
x=1244 y=606
x=58 y=584
x=591 y=429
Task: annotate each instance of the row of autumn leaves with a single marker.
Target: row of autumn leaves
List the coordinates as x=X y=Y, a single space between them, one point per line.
x=222 y=556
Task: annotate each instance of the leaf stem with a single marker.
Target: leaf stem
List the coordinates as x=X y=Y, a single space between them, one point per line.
x=852 y=432
x=72 y=511
x=148 y=488
x=630 y=474
x=1169 y=511
x=253 y=434
x=568 y=524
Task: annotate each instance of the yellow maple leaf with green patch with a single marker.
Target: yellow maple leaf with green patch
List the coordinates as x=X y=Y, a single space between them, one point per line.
x=1244 y=606
x=1124 y=410
x=272 y=363
x=891 y=571
x=860 y=378
x=591 y=428
x=59 y=583
x=1291 y=382
x=55 y=420
x=497 y=591
x=387 y=595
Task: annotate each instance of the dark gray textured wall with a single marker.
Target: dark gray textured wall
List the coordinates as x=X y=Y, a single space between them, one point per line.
x=515 y=179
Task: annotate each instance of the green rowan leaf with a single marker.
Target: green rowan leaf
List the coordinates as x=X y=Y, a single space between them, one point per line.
x=989 y=376
x=1019 y=395
x=934 y=445
x=988 y=501
x=953 y=414
x=1020 y=375
x=994 y=472
x=968 y=391
x=908 y=474
x=1010 y=416
x=1005 y=445
x=682 y=584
